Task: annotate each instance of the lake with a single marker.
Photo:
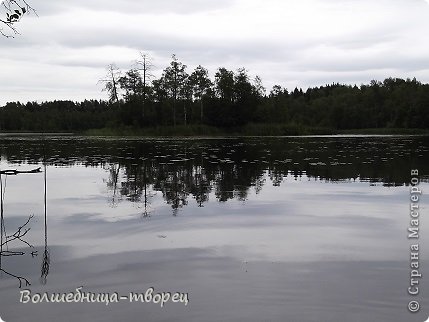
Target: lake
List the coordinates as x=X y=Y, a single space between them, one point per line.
x=300 y=229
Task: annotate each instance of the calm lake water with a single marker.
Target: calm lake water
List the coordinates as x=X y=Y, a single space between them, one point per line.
x=300 y=229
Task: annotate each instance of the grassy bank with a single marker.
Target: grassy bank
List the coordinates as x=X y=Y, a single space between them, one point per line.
x=385 y=131
x=192 y=130
x=247 y=130
x=204 y=130
x=252 y=129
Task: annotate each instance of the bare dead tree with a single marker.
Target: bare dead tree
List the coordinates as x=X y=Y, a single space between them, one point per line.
x=144 y=65
x=14 y=11
x=111 y=82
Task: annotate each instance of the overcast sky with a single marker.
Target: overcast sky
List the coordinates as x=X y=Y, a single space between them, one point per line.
x=62 y=53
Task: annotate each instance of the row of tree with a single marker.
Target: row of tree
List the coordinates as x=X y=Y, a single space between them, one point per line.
x=178 y=97
x=56 y=116
x=230 y=100
x=234 y=99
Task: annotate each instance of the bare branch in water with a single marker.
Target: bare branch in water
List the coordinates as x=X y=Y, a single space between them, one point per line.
x=6 y=239
x=21 y=232
x=19 y=278
x=15 y=172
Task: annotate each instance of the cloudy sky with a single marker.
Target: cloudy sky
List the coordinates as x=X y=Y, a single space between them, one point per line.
x=62 y=53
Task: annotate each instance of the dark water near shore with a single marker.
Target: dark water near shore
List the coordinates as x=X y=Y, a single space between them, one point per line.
x=253 y=229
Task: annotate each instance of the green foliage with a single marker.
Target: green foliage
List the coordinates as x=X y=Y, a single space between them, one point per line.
x=179 y=104
x=56 y=116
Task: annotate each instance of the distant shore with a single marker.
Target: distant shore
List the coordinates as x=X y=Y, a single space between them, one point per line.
x=248 y=130
x=210 y=131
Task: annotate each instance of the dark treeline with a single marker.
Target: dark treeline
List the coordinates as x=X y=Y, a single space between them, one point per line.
x=54 y=116
x=231 y=100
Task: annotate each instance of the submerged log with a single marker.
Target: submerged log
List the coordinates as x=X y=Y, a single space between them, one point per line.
x=15 y=172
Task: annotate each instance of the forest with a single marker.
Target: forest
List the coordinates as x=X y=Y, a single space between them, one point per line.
x=230 y=102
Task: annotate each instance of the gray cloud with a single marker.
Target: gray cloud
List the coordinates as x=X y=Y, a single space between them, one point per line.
x=158 y=7
x=307 y=43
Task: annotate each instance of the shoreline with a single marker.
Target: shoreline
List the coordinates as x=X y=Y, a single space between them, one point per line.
x=251 y=130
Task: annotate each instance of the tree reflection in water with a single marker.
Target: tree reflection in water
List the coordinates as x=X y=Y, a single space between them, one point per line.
x=230 y=168
x=46 y=260
x=227 y=168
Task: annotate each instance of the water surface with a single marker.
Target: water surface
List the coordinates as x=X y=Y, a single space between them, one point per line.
x=253 y=229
